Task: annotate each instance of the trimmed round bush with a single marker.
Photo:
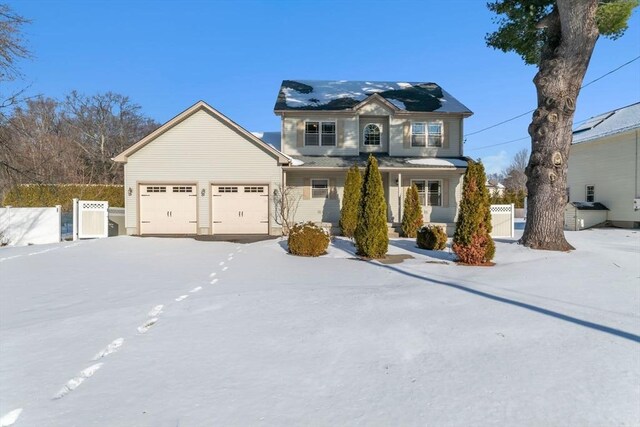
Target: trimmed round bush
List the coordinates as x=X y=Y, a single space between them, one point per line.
x=308 y=239
x=432 y=237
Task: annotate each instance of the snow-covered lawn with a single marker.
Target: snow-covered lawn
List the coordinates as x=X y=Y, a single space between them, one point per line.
x=176 y=332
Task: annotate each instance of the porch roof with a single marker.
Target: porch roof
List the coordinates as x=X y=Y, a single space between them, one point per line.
x=385 y=161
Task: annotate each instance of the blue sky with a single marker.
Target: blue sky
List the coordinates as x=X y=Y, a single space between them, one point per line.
x=166 y=55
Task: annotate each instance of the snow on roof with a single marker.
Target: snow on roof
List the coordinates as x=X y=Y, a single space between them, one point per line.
x=271 y=138
x=589 y=206
x=385 y=161
x=344 y=95
x=439 y=162
x=610 y=123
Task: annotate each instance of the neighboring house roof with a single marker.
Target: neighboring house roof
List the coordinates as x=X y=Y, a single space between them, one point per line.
x=494 y=185
x=610 y=123
x=589 y=206
x=384 y=161
x=338 y=95
x=271 y=138
x=198 y=106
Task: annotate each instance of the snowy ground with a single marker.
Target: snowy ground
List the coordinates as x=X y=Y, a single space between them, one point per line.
x=175 y=332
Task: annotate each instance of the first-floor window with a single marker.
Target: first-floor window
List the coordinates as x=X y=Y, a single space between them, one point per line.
x=319 y=188
x=320 y=133
x=429 y=191
x=435 y=193
x=591 y=193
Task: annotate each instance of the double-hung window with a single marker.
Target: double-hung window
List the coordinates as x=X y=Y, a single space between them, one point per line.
x=590 y=193
x=319 y=188
x=320 y=133
x=429 y=191
x=426 y=134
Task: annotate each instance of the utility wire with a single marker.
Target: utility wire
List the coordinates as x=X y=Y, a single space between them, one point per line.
x=514 y=140
x=531 y=111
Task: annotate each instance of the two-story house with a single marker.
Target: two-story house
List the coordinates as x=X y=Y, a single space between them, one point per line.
x=201 y=173
x=413 y=129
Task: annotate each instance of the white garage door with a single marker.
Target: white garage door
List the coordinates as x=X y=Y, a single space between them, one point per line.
x=240 y=209
x=168 y=209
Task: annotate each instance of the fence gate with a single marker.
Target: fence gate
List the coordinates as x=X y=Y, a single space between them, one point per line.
x=502 y=220
x=93 y=219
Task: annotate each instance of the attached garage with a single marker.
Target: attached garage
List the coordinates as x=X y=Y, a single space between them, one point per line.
x=201 y=173
x=240 y=209
x=168 y=209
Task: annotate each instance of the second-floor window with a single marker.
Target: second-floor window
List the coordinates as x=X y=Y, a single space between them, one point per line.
x=426 y=134
x=591 y=193
x=372 y=134
x=320 y=133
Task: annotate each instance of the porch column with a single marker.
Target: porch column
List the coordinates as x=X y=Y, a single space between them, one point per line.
x=399 y=197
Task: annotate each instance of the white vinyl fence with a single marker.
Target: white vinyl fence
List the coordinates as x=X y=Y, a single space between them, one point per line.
x=91 y=219
x=29 y=226
x=502 y=220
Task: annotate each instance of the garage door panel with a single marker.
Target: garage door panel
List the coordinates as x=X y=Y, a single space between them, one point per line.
x=240 y=209
x=168 y=209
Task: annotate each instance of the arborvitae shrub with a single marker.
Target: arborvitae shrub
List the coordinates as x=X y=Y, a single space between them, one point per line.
x=432 y=237
x=351 y=202
x=472 y=241
x=372 y=234
x=45 y=195
x=412 y=218
x=308 y=239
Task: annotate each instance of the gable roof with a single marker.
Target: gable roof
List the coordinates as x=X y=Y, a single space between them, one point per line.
x=609 y=123
x=337 y=95
x=198 y=106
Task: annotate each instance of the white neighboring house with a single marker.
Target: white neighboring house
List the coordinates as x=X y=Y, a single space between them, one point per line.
x=495 y=188
x=603 y=164
x=200 y=173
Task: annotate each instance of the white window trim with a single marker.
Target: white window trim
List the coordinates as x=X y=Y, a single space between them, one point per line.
x=319 y=179
x=320 y=122
x=364 y=135
x=426 y=134
x=426 y=190
x=586 y=193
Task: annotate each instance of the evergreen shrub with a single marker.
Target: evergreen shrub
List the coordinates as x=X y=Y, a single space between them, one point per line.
x=432 y=237
x=351 y=202
x=372 y=233
x=472 y=241
x=308 y=239
x=412 y=218
x=47 y=195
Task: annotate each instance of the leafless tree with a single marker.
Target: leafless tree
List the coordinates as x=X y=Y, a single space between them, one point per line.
x=102 y=126
x=13 y=48
x=515 y=178
x=285 y=205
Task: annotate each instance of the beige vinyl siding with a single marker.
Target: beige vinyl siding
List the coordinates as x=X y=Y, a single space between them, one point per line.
x=452 y=132
x=451 y=181
x=326 y=210
x=200 y=150
x=611 y=165
x=346 y=138
x=374 y=108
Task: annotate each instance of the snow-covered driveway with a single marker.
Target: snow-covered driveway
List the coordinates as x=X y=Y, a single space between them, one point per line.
x=175 y=332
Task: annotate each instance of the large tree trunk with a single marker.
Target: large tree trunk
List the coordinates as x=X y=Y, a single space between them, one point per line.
x=572 y=33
